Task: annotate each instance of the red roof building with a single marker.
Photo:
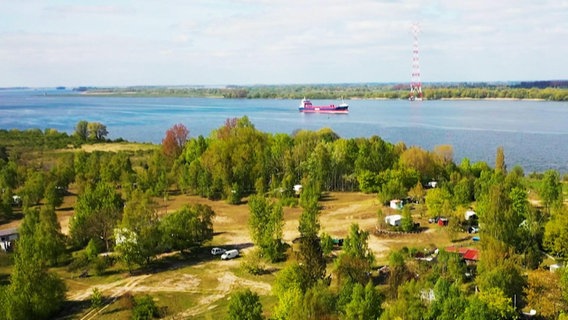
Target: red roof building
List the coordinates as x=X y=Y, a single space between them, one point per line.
x=469 y=254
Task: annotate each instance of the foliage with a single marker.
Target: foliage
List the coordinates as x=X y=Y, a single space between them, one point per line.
x=556 y=233
x=138 y=238
x=144 y=308
x=354 y=264
x=550 y=190
x=97 y=212
x=175 y=140
x=252 y=262
x=543 y=293
x=265 y=224
x=188 y=227
x=96 y=131
x=490 y=304
x=34 y=292
x=97 y=298
x=81 y=130
x=365 y=303
x=245 y=304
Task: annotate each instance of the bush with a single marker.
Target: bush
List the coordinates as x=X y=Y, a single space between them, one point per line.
x=96 y=298
x=252 y=263
x=100 y=264
x=144 y=308
x=81 y=261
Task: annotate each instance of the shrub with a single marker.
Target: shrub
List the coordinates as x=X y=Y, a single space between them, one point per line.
x=96 y=298
x=144 y=308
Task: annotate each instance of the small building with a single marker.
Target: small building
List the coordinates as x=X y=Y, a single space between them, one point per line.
x=470 y=214
x=7 y=238
x=394 y=220
x=396 y=204
x=468 y=254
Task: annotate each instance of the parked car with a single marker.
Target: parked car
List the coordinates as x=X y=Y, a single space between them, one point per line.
x=217 y=251
x=230 y=254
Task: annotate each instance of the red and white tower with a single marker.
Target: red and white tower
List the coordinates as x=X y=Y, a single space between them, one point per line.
x=415 y=84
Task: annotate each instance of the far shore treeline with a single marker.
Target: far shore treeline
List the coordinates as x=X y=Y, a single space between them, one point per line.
x=541 y=90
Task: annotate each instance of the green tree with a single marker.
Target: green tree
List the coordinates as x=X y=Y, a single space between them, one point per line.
x=556 y=233
x=266 y=221
x=449 y=302
x=49 y=239
x=356 y=260
x=33 y=190
x=500 y=165
x=96 y=131
x=550 y=190
x=309 y=219
x=81 y=130
x=34 y=292
x=188 y=227
x=97 y=212
x=144 y=308
x=138 y=237
x=365 y=303
x=407 y=223
x=245 y=304
x=490 y=304
x=435 y=200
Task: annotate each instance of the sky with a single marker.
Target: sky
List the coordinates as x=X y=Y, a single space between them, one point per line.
x=248 y=42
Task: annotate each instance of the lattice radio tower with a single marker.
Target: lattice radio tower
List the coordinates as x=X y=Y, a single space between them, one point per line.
x=415 y=84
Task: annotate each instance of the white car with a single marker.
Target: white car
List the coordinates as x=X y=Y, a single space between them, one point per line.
x=217 y=251
x=230 y=254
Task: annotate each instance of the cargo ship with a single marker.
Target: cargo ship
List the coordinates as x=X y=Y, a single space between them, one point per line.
x=306 y=106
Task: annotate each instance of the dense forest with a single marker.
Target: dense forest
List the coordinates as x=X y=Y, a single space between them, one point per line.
x=542 y=90
x=523 y=220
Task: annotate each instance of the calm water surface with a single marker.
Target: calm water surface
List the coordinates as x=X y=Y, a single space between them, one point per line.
x=534 y=134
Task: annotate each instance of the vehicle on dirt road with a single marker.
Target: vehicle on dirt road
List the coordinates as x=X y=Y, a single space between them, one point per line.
x=217 y=251
x=230 y=254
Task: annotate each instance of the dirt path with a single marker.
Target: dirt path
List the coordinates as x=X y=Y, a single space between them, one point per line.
x=227 y=282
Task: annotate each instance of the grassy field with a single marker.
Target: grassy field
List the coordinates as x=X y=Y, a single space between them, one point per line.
x=198 y=285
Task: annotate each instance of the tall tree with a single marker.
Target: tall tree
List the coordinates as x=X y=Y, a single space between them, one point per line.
x=138 y=236
x=365 y=303
x=188 y=227
x=81 y=130
x=97 y=212
x=550 y=190
x=356 y=260
x=500 y=165
x=34 y=292
x=265 y=224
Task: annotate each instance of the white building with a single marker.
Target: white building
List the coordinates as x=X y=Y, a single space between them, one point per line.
x=394 y=220
x=396 y=204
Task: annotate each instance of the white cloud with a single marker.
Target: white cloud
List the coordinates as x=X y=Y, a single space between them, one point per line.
x=262 y=41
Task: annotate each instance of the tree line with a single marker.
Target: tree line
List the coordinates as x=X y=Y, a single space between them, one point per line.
x=545 y=90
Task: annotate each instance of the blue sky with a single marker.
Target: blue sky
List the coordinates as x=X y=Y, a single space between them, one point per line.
x=187 y=42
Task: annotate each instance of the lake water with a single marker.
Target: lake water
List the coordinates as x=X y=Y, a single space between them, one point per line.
x=534 y=134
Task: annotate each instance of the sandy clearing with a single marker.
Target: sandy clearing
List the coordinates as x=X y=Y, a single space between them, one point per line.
x=227 y=282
